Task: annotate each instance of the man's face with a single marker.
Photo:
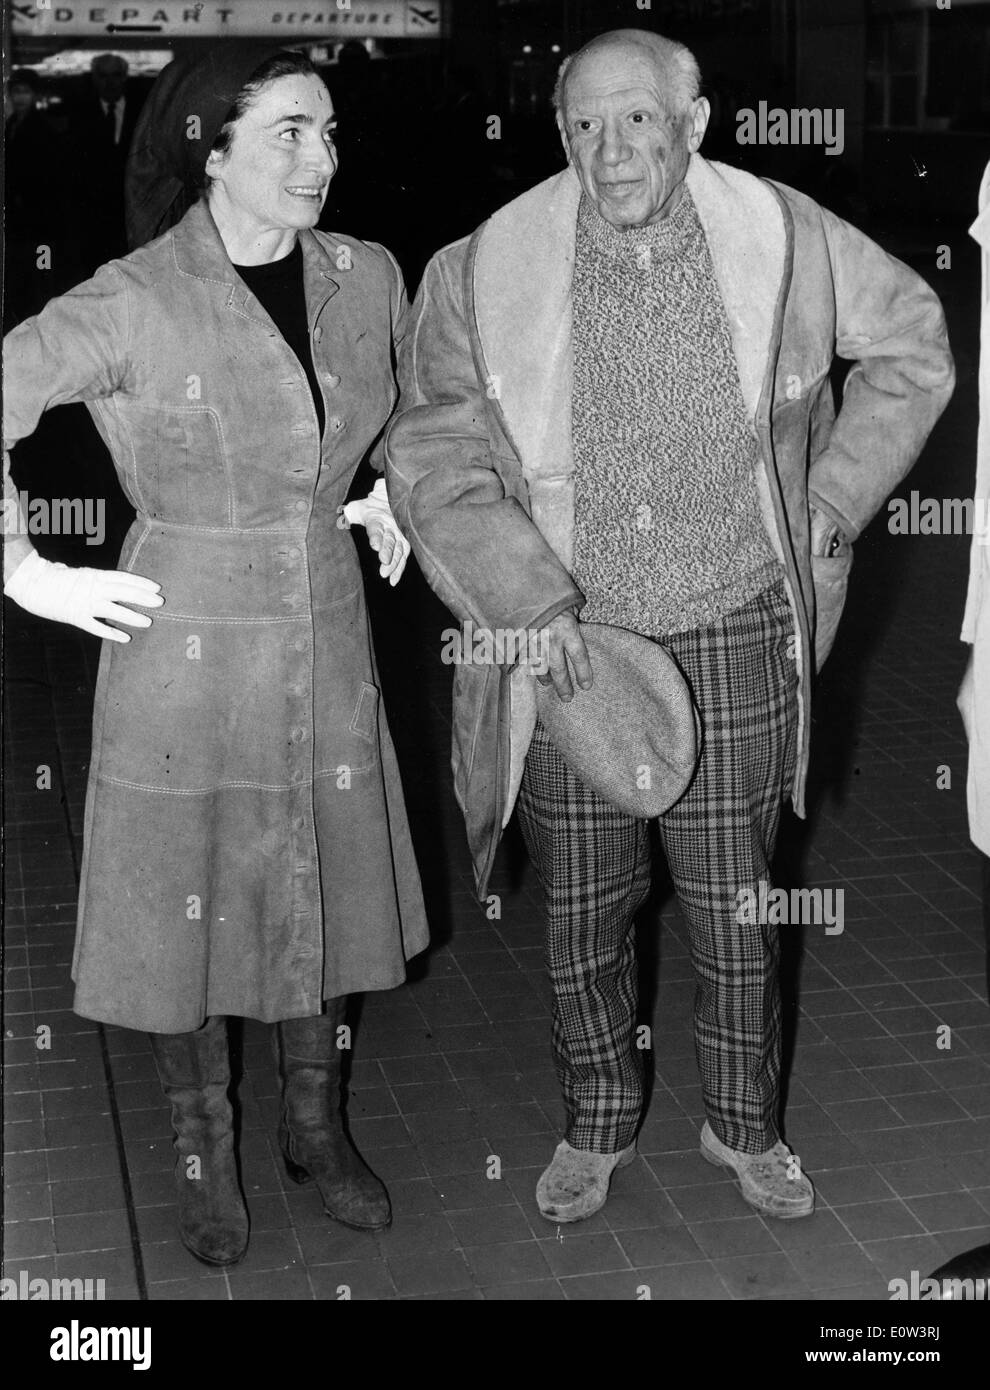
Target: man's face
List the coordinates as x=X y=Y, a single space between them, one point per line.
x=281 y=158
x=629 y=149
x=21 y=98
x=109 y=80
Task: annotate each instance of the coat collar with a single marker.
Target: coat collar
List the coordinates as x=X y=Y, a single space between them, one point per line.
x=198 y=251
x=522 y=290
x=520 y=266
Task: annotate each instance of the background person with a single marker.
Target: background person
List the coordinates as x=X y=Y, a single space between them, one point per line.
x=974 y=694
x=102 y=119
x=32 y=218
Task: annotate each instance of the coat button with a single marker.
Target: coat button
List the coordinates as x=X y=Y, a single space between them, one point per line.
x=302 y=506
x=294 y=552
x=332 y=380
x=298 y=735
x=300 y=644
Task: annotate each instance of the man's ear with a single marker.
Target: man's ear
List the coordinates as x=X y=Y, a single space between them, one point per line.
x=698 y=118
x=214 y=163
x=563 y=136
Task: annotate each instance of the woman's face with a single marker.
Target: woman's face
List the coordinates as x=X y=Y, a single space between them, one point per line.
x=281 y=158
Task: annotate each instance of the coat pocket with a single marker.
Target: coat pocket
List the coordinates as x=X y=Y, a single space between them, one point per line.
x=180 y=472
x=830 y=575
x=364 y=721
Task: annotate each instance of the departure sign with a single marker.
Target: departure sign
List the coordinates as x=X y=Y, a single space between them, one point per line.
x=407 y=19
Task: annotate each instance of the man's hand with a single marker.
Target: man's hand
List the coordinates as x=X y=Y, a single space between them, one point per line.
x=826 y=538
x=562 y=636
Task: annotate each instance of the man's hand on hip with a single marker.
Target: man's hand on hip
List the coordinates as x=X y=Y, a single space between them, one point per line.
x=562 y=636
x=826 y=538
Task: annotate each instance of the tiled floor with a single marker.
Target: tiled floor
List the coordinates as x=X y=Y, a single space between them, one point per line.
x=453 y=1098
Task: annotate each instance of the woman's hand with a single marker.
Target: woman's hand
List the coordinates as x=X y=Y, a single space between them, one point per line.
x=82 y=596
x=384 y=536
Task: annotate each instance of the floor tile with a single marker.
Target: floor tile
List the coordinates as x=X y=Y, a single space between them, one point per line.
x=756 y=1276
x=743 y=1235
x=878 y=1220
x=950 y=1211
x=439 y=1272
x=539 y=1290
x=571 y=1253
x=687 y=1282
x=836 y=1266
x=506 y=1264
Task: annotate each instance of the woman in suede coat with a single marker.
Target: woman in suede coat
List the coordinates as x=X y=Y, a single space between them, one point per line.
x=246 y=845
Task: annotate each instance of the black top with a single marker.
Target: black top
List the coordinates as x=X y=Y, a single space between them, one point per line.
x=279 y=288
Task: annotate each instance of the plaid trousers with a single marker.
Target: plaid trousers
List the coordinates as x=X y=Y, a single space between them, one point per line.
x=594 y=864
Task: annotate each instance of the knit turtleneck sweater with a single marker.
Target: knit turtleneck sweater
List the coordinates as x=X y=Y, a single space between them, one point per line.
x=668 y=534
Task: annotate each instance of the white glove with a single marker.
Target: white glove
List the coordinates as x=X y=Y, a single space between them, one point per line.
x=81 y=596
x=375 y=515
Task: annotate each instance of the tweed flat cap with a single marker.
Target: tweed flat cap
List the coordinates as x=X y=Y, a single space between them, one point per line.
x=633 y=737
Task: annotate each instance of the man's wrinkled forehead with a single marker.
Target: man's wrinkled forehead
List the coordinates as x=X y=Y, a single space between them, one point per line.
x=614 y=74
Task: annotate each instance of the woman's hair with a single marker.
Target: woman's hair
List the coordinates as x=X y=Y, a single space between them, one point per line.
x=289 y=63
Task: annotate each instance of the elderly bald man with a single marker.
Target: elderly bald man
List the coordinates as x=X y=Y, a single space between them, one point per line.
x=617 y=409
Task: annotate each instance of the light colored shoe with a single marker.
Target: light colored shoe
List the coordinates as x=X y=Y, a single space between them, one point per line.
x=772 y=1182
x=575 y=1185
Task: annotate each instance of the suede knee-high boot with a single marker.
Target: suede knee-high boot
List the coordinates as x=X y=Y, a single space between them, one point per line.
x=311 y=1129
x=195 y=1074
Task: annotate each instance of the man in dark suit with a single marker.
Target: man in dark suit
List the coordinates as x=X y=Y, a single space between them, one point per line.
x=32 y=208
x=102 y=126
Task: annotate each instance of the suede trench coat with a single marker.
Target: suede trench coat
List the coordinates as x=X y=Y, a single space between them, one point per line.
x=479 y=459
x=246 y=845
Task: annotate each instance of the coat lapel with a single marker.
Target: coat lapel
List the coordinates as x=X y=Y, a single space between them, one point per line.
x=199 y=251
x=522 y=296
x=522 y=292
x=318 y=275
x=744 y=228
